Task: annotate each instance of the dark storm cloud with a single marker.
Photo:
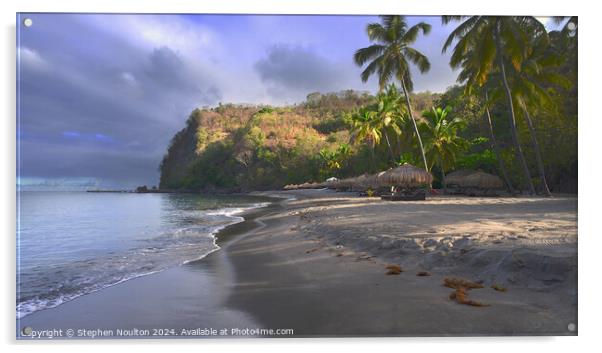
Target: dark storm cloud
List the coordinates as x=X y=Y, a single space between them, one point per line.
x=292 y=72
x=86 y=115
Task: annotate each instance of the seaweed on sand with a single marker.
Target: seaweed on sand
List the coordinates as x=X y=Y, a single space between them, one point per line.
x=456 y=283
x=461 y=287
x=460 y=295
x=393 y=269
x=498 y=288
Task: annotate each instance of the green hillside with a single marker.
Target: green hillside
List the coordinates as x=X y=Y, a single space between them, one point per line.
x=241 y=147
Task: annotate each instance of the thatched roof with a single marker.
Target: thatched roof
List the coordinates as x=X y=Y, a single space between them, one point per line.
x=458 y=176
x=345 y=183
x=371 y=180
x=364 y=181
x=482 y=180
x=405 y=176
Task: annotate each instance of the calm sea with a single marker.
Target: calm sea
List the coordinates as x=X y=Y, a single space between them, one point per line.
x=73 y=243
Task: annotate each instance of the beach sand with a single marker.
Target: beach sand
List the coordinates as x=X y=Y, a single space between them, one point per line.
x=316 y=264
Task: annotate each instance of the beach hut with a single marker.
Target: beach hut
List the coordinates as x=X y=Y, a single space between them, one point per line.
x=371 y=181
x=482 y=180
x=342 y=184
x=482 y=184
x=454 y=180
x=365 y=184
x=405 y=176
x=359 y=183
x=406 y=180
x=456 y=177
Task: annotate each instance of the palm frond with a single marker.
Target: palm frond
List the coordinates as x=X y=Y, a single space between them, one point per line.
x=363 y=55
x=376 y=32
x=418 y=59
x=412 y=34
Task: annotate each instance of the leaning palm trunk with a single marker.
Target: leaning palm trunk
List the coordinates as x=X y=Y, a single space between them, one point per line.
x=407 y=95
x=496 y=148
x=512 y=118
x=391 y=154
x=443 y=183
x=540 y=167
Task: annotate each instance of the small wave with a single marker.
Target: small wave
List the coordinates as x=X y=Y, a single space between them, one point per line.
x=231 y=211
x=177 y=247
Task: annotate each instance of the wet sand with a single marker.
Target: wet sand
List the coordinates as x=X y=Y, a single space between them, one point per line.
x=306 y=270
x=317 y=265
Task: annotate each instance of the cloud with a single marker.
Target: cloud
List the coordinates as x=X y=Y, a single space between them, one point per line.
x=293 y=71
x=129 y=79
x=31 y=59
x=102 y=95
x=108 y=115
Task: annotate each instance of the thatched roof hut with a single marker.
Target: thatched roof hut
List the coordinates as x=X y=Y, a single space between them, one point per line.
x=361 y=181
x=456 y=178
x=345 y=183
x=371 y=180
x=482 y=180
x=405 y=176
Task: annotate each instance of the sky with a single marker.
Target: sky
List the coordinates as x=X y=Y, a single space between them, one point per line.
x=100 y=96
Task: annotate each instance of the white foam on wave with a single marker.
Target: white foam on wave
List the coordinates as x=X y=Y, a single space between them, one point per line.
x=229 y=212
x=30 y=306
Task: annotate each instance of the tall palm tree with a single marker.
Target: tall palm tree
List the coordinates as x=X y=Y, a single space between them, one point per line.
x=497 y=41
x=442 y=142
x=531 y=88
x=390 y=58
x=495 y=145
x=469 y=76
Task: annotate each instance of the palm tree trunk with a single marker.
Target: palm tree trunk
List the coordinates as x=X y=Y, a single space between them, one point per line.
x=407 y=95
x=443 y=183
x=391 y=154
x=397 y=145
x=512 y=118
x=372 y=158
x=496 y=148
x=540 y=167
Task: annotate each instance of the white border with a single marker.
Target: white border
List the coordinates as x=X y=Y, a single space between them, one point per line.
x=589 y=170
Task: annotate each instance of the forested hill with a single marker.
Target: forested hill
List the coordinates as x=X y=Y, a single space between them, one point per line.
x=233 y=148
x=243 y=147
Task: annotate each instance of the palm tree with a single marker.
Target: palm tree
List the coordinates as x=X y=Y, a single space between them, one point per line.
x=442 y=141
x=391 y=55
x=495 y=145
x=365 y=127
x=531 y=88
x=495 y=41
x=470 y=75
x=388 y=117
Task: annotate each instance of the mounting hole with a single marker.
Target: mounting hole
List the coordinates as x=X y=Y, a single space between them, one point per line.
x=28 y=22
x=571 y=26
x=27 y=331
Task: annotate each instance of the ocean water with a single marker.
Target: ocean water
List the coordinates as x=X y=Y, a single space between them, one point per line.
x=73 y=243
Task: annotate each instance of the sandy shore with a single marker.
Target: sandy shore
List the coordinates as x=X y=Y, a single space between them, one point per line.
x=319 y=266
x=316 y=264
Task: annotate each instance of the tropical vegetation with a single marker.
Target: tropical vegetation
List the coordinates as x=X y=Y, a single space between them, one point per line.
x=512 y=113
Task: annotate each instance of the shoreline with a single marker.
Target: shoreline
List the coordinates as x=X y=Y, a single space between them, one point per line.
x=307 y=270
x=246 y=216
x=281 y=268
